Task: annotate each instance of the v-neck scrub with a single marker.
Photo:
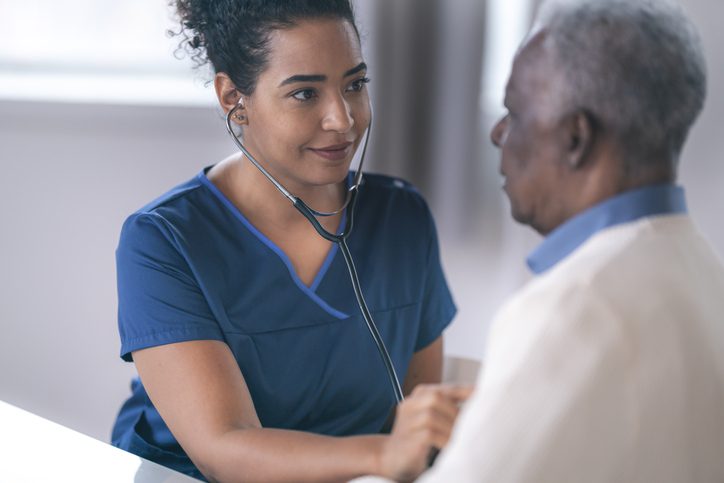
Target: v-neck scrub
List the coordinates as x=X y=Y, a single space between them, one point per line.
x=191 y=267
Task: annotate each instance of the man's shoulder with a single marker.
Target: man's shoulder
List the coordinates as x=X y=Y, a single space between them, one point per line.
x=616 y=274
x=649 y=253
x=639 y=249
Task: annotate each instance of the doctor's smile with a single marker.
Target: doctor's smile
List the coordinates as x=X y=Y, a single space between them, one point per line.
x=335 y=152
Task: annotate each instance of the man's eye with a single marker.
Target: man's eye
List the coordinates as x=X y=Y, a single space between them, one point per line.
x=304 y=95
x=358 y=84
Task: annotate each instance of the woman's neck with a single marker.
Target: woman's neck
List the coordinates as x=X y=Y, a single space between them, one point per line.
x=257 y=198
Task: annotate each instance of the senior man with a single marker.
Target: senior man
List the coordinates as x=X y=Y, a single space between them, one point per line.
x=609 y=365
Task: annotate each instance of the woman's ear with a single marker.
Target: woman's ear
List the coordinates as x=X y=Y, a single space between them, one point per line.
x=230 y=98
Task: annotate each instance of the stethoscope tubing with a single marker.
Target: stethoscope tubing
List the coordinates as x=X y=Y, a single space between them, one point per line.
x=394 y=382
x=279 y=186
x=340 y=239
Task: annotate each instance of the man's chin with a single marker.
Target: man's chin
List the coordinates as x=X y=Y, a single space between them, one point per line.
x=525 y=218
x=519 y=217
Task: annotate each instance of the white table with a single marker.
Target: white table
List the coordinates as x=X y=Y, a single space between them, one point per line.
x=34 y=450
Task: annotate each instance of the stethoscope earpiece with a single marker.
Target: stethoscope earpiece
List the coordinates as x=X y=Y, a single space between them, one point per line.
x=237 y=115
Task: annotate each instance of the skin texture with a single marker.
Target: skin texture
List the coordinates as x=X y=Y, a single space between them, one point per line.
x=197 y=386
x=284 y=122
x=555 y=159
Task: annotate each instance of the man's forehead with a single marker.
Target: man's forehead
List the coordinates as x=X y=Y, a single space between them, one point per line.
x=537 y=84
x=532 y=61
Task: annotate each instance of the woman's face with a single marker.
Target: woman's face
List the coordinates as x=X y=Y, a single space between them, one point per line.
x=310 y=108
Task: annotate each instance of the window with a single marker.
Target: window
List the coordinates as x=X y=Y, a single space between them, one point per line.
x=507 y=23
x=95 y=51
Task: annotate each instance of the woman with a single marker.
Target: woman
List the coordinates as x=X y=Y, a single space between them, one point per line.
x=239 y=317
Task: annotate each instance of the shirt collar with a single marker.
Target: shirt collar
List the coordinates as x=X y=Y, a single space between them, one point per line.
x=630 y=206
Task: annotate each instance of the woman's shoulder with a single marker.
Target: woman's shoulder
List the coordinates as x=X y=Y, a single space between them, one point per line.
x=386 y=182
x=178 y=195
x=391 y=190
x=184 y=205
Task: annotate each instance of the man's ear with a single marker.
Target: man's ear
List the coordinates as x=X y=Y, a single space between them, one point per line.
x=229 y=98
x=580 y=129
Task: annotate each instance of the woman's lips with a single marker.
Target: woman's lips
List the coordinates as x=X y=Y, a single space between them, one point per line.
x=337 y=152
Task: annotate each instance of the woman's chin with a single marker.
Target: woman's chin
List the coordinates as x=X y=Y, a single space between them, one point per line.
x=328 y=174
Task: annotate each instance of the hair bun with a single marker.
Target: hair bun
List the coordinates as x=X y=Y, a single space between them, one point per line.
x=233 y=35
x=193 y=17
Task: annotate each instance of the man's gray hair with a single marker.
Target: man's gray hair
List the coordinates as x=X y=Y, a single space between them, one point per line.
x=637 y=67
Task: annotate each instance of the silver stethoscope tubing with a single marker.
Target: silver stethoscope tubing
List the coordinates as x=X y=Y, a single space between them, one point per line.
x=340 y=239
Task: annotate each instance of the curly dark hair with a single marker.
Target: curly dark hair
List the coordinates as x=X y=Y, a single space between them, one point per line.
x=233 y=35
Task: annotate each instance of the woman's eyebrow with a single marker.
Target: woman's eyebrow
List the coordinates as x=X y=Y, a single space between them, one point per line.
x=319 y=77
x=362 y=66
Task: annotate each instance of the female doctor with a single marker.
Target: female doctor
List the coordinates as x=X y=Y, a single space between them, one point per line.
x=254 y=362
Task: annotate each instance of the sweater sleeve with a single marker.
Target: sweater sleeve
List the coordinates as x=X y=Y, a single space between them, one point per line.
x=548 y=407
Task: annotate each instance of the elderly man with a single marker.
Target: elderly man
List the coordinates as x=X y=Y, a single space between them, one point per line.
x=609 y=365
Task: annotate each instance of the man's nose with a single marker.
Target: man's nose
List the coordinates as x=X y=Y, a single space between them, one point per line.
x=498 y=133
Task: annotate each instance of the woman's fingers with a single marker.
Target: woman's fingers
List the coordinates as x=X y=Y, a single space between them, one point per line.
x=424 y=421
x=457 y=392
x=432 y=417
x=431 y=411
x=435 y=402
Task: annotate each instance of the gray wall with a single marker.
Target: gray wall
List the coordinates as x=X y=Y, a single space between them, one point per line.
x=71 y=173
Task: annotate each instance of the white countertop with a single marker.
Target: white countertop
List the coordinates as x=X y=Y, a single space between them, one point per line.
x=33 y=449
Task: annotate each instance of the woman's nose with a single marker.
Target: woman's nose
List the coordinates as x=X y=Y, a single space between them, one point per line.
x=338 y=116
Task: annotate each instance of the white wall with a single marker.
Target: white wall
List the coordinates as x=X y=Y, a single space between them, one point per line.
x=702 y=169
x=71 y=173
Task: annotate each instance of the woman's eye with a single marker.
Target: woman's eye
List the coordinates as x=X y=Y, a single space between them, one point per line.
x=358 y=84
x=304 y=95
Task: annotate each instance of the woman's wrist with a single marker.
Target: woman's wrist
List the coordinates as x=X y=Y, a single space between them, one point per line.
x=373 y=463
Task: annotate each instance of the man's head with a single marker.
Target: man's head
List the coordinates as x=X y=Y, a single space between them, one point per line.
x=601 y=98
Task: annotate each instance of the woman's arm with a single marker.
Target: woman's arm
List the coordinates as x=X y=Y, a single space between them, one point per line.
x=425 y=367
x=200 y=392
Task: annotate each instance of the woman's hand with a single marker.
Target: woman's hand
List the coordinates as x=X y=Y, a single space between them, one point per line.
x=424 y=421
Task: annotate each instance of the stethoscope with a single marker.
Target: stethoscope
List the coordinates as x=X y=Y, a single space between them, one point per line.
x=340 y=239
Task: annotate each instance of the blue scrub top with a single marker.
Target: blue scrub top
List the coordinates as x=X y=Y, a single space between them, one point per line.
x=191 y=267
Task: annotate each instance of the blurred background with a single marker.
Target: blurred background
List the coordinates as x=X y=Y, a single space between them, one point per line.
x=97 y=117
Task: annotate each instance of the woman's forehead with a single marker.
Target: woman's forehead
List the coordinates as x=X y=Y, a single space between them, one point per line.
x=318 y=46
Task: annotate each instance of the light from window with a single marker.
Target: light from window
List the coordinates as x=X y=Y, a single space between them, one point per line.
x=82 y=45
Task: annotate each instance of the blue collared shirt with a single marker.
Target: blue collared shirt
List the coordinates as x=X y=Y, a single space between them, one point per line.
x=632 y=205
